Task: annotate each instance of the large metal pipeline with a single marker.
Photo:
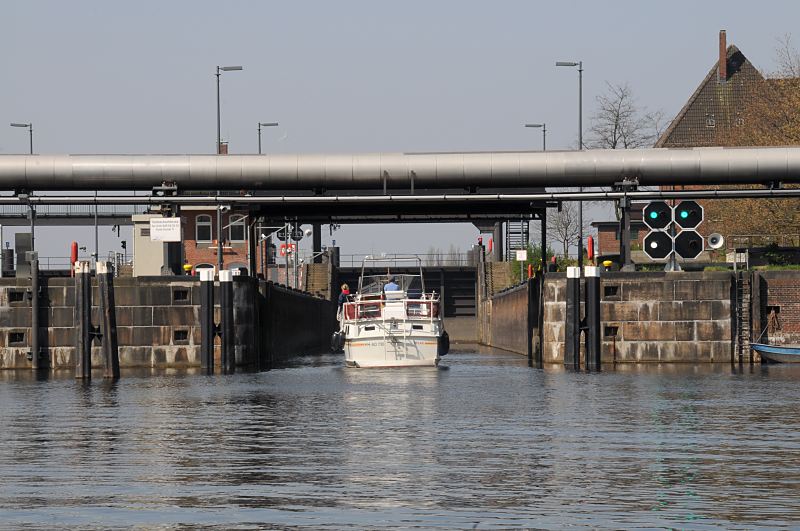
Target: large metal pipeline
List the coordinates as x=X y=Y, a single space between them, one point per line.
x=437 y=199
x=702 y=166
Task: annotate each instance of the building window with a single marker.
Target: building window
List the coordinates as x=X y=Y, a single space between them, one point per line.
x=203 y=228
x=237 y=229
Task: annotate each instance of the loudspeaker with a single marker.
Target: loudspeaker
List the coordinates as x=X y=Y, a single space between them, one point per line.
x=715 y=241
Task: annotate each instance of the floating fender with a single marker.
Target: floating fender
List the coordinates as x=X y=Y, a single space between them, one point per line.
x=337 y=341
x=444 y=344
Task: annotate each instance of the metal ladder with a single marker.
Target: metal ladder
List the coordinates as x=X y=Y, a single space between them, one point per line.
x=517 y=236
x=743 y=313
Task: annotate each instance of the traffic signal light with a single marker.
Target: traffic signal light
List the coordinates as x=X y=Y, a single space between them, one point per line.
x=657 y=215
x=688 y=214
x=658 y=245
x=689 y=244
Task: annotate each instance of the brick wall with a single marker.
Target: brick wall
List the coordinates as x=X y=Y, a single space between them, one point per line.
x=781 y=290
x=206 y=252
x=608 y=243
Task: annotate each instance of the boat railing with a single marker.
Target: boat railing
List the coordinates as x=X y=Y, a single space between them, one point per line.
x=415 y=309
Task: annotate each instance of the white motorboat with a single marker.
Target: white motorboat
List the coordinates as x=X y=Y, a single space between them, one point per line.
x=391 y=321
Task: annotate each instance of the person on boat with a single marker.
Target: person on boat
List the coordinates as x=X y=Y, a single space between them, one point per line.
x=345 y=293
x=391 y=285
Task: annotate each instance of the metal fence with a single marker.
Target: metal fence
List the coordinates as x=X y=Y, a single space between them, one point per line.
x=63 y=262
x=403 y=260
x=73 y=210
x=746 y=241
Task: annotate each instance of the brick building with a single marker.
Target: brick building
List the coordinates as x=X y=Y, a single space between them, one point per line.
x=200 y=238
x=714 y=115
x=607 y=242
x=723 y=111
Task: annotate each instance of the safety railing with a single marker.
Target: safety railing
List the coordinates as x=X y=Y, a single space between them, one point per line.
x=746 y=241
x=373 y=309
x=403 y=260
x=73 y=210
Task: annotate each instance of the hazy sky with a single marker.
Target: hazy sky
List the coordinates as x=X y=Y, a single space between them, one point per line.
x=137 y=77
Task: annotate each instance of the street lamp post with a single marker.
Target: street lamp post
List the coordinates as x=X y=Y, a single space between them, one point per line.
x=220 y=69
x=579 y=64
x=30 y=131
x=260 y=125
x=544 y=134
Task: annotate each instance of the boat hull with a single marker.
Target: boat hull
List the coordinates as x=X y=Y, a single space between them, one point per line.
x=778 y=354
x=392 y=352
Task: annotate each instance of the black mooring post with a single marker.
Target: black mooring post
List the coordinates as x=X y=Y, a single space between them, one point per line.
x=252 y=254
x=105 y=285
x=539 y=354
x=207 y=327
x=243 y=321
x=593 y=327
x=532 y=321
x=543 y=243
x=226 y=321
x=83 y=318
x=35 y=350
x=572 y=328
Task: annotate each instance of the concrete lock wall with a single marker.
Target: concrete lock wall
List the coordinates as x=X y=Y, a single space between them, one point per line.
x=652 y=317
x=507 y=327
x=158 y=322
x=295 y=323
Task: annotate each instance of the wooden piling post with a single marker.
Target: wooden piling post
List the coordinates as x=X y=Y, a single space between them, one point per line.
x=572 y=328
x=105 y=284
x=245 y=325
x=83 y=321
x=35 y=350
x=208 y=330
x=228 y=360
x=593 y=325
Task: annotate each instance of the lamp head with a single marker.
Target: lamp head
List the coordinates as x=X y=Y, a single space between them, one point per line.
x=230 y=68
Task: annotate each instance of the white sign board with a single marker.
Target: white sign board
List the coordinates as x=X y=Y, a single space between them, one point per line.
x=165 y=229
x=522 y=255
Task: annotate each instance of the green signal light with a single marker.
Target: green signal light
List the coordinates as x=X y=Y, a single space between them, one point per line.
x=684 y=214
x=653 y=215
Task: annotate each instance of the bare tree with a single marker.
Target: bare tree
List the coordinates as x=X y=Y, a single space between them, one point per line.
x=787 y=58
x=620 y=123
x=563 y=226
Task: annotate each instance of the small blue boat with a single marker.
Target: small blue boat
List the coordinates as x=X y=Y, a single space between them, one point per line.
x=778 y=353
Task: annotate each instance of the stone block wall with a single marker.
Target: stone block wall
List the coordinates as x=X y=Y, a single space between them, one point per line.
x=158 y=322
x=652 y=317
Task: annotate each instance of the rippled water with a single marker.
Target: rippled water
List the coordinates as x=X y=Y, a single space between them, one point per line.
x=484 y=441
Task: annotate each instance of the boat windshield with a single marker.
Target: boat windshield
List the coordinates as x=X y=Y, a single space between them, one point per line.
x=374 y=284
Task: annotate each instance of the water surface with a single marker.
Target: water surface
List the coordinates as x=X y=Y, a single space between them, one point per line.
x=483 y=441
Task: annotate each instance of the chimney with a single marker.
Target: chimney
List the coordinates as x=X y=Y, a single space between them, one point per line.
x=722 y=72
